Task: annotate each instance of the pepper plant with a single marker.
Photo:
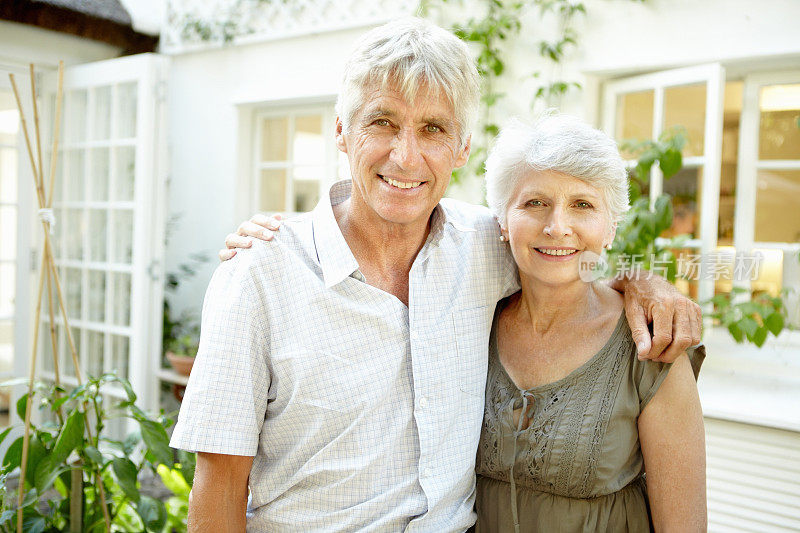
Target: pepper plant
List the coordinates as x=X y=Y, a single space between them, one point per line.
x=61 y=453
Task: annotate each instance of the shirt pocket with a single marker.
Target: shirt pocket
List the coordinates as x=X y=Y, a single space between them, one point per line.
x=471 y=329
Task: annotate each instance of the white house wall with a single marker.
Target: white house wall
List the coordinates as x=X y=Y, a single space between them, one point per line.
x=207 y=90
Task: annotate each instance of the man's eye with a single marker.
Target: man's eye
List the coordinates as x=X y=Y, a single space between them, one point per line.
x=432 y=128
x=381 y=122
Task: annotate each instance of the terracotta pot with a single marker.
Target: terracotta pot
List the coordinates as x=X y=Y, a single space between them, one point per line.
x=182 y=364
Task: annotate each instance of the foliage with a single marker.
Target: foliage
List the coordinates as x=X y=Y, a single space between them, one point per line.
x=58 y=447
x=496 y=29
x=637 y=234
x=753 y=320
x=638 y=231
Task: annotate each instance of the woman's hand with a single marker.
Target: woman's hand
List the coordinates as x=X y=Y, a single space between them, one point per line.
x=259 y=226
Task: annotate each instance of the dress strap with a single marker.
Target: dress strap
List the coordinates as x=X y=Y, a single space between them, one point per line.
x=523 y=415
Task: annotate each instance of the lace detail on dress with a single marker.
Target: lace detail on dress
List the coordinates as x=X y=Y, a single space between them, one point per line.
x=537 y=441
x=610 y=391
x=490 y=451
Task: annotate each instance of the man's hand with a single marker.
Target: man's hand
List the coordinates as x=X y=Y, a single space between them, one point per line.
x=677 y=320
x=259 y=226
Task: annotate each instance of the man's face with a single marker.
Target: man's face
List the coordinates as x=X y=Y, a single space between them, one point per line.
x=402 y=154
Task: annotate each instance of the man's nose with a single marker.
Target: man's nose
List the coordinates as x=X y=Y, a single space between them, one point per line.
x=558 y=224
x=406 y=150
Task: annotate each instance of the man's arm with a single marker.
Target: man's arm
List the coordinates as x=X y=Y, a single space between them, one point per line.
x=218 y=500
x=677 y=320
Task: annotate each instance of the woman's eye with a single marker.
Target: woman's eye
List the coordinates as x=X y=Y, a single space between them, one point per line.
x=535 y=203
x=584 y=205
x=381 y=122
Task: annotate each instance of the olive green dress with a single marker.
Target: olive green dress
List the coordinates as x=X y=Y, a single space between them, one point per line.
x=578 y=466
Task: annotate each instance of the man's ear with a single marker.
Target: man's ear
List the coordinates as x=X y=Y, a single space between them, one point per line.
x=463 y=154
x=340 y=142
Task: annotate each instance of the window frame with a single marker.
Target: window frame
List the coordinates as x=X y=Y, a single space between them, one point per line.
x=332 y=161
x=713 y=75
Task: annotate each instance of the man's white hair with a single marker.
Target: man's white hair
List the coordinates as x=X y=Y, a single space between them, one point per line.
x=411 y=53
x=558 y=143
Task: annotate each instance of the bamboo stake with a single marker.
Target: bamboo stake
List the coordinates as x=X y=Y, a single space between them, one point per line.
x=36 y=127
x=49 y=204
x=49 y=262
x=28 y=403
x=27 y=137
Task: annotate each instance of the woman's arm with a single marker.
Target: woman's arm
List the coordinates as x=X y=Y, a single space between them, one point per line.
x=673 y=445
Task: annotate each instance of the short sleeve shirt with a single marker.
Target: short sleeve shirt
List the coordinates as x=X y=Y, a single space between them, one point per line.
x=361 y=413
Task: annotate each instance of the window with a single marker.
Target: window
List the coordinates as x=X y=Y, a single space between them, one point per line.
x=644 y=107
x=296 y=158
x=740 y=184
x=9 y=128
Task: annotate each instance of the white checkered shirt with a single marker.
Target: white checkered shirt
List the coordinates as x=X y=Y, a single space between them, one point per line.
x=362 y=414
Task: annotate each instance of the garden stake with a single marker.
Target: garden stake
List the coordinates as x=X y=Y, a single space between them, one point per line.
x=49 y=263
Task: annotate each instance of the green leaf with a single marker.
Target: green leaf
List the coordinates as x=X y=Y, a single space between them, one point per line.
x=71 y=437
x=36 y=453
x=7 y=515
x=46 y=473
x=13 y=456
x=156 y=440
x=32 y=496
x=152 y=512
x=4 y=434
x=774 y=323
x=760 y=337
x=126 y=474
x=34 y=524
x=749 y=326
x=174 y=480
x=736 y=331
x=94 y=455
x=22 y=404
x=670 y=163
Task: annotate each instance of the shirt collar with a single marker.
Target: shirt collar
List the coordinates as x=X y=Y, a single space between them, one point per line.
x=335 y=258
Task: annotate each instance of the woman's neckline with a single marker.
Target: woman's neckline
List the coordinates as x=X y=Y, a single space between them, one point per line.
x=573 y=374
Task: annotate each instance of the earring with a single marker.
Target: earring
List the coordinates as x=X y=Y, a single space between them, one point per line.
x=503 y=238
x=607 y=246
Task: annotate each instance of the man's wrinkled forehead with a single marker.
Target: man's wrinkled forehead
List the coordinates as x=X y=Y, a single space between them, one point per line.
x=428 y=104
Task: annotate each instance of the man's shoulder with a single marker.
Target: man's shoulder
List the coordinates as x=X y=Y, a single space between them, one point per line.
x=290 y=246
x=464 y=214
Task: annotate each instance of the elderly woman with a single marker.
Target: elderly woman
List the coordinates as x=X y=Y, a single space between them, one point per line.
x=573 y=419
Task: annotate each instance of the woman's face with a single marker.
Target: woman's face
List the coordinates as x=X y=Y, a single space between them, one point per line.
x=551 y=220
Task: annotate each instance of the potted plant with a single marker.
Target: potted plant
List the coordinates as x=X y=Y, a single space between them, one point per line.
x=181 y=334
x=181 y=337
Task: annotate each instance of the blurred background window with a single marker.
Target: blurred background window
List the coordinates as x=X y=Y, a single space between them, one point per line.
x=297 y=158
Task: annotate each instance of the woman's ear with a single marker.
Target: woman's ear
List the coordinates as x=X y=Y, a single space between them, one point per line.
x=612 y=233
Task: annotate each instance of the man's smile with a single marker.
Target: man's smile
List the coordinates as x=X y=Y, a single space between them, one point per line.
x=401 y=184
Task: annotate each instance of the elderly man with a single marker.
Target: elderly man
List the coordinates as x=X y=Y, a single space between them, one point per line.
x=342 y=366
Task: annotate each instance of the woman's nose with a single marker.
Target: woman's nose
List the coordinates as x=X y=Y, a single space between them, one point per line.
x=558 y=224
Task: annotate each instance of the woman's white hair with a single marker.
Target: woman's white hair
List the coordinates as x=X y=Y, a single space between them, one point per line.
x=411 y=53
x=558 y=143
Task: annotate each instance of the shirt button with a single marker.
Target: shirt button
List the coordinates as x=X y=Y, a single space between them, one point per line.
x=423 y=402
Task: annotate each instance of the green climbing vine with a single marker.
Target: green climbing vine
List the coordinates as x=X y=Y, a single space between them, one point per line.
x=491 y=33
